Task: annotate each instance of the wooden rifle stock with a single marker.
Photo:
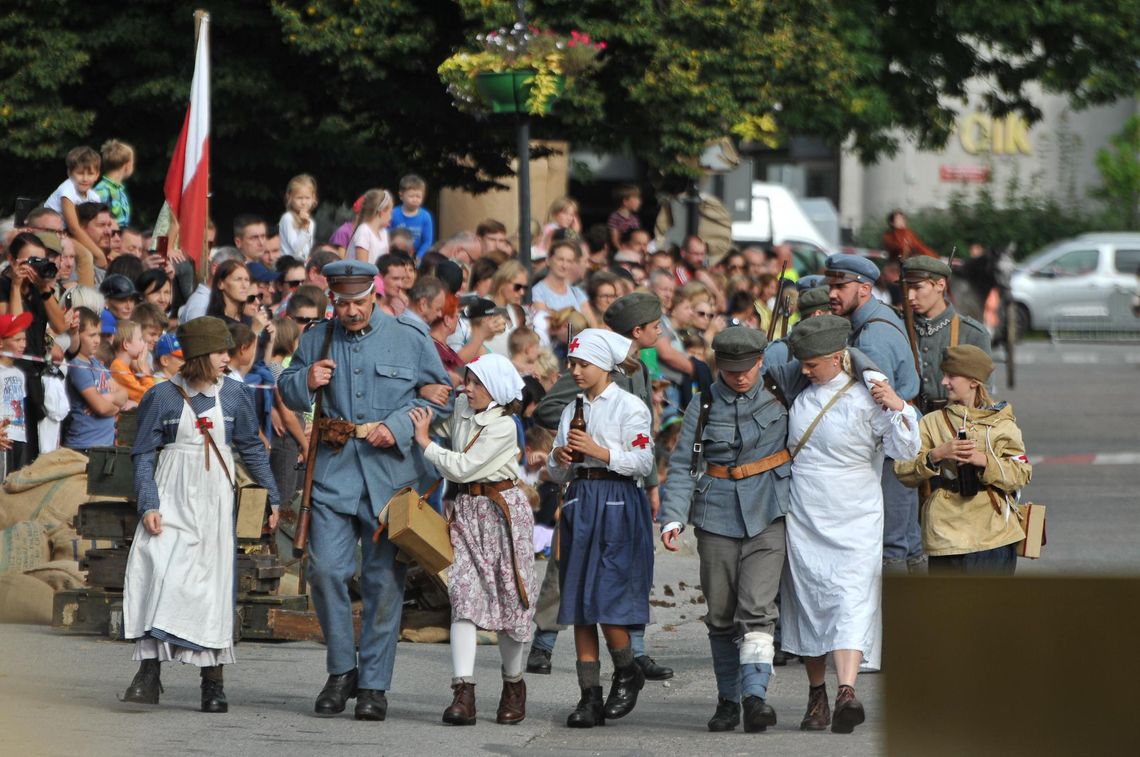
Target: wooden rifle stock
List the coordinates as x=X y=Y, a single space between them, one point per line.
x=776 y=302
x=301 y=537
x=908 y=316
x=785 y=314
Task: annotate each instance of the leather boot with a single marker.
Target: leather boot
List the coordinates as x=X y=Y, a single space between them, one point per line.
x=626 y=684
x=726 y=717
x=337 y=691
x=538 y=661
x=652 y=670
x=371 y=704
x=818 y=715
x=848 y=711
x=146 y=685
x=758 y=715
x=512 y=703
x=462 y=709
x=590 y=710
x=213 y=694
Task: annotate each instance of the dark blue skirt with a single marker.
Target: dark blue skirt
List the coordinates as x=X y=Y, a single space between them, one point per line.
x=605 y=563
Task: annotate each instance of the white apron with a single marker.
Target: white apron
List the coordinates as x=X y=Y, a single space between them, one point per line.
x=182 y=581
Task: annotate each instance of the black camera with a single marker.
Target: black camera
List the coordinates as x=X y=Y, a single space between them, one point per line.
x=43 y=267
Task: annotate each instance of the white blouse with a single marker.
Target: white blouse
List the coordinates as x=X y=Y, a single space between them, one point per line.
x=618 y=421
x=493 y=456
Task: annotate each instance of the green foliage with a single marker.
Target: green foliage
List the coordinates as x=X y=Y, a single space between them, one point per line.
x=1120 y=173
x=1020 y=216
x=348 y=89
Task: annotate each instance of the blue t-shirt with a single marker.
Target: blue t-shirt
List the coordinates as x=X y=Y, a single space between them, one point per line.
x=86 y=429
x=420 y=225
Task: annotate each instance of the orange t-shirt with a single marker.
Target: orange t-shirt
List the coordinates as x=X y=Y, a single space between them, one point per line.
x=136 y=386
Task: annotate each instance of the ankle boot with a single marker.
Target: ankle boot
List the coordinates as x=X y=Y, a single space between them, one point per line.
x=726 y=717
x=462 y=709
x=758 y=715
x=627 y=682
x=848 y=711
x=590 y=710
x=512 y=703
x=213 y=694
x=146 y=685
x=818 y=715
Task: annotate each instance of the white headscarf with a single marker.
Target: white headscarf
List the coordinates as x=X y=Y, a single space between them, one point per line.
x=499 y=376
x=604 y=349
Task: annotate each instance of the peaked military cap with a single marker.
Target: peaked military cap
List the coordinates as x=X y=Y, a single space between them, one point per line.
x=634 y=309
x=843 y=267
x=922 y=267
x=811 y=282
x=812 y=300
x=822 y=335
x=350 y=279
x=738 y=348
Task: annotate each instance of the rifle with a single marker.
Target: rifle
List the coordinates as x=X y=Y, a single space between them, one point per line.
x=908 y=316
x=776 y=302
x=785 y=314
x=301 y=537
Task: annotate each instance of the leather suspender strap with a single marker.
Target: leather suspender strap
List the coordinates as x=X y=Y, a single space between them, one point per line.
x=705 y=398
x=819 y=417
x=210 y=443
x=892 y=324
x=949 y=423
x=955 y=322
x=497 y=497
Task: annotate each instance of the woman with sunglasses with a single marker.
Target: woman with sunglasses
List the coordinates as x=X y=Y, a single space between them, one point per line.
x=508 y=289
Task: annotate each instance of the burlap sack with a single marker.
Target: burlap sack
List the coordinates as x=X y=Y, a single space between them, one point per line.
x=23 y=546
x=59 y=575
x=25 y=599
x=49 y=490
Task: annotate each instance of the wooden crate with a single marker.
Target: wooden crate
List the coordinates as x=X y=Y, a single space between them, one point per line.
x=86 y=611
x=258 y=573
x=106 y=568
x=301 y=625
x=254 y=613
x=114 y=520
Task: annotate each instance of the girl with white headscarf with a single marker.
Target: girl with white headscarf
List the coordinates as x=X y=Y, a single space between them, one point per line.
x=491 y=582
x=606 y=529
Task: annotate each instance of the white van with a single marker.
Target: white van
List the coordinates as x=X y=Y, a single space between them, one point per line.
x=777 y=218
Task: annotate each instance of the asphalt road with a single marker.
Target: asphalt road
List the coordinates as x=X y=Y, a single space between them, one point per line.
x=1078 y=408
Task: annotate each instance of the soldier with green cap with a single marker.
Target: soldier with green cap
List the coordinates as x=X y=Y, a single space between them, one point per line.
x=937 y=325
x=178 y=595
x=637 y=316
x=729 y=477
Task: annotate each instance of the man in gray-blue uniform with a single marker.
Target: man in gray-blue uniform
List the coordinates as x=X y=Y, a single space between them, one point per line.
x=811 y=299
x=735 y=490
x=880 y=334
x=375 y=369
x=937 y=325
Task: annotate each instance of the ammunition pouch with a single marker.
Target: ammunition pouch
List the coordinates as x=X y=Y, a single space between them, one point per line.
x=335 y=432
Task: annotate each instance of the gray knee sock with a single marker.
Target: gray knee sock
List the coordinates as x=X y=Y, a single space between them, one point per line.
x=589 y=674
x=622 y=658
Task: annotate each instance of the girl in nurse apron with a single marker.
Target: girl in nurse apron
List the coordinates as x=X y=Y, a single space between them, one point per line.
x=491 y=581
x=606 y=528
x=178 y=598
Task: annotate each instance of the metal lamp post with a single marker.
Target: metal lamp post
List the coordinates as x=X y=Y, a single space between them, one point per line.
x=522 y=133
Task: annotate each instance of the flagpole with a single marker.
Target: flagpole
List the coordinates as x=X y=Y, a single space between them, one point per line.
x=201 y=16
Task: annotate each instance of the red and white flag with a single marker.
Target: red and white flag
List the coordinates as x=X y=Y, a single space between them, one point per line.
x=187 y=180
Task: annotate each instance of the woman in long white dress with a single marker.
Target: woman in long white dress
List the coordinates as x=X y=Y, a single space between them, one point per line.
x=838 y=429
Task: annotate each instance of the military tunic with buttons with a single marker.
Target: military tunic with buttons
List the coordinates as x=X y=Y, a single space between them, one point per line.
x=934 y=335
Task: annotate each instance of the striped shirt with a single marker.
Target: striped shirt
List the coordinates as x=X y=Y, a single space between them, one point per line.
x=159 y=415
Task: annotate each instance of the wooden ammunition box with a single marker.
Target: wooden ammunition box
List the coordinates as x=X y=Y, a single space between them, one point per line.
x=255 y=612
x=258 y=574
x=106 y=568
x=113 y=520
x=87 y=611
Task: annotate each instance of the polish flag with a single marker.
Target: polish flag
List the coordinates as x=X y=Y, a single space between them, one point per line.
x=188 y=177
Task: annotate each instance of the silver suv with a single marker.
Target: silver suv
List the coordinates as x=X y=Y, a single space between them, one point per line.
x=1091 y=278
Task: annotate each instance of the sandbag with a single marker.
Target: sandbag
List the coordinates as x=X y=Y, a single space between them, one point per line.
x=23 y=546
x=60 y=575
x=25 y=599
x=49 y=490
x=66 y=544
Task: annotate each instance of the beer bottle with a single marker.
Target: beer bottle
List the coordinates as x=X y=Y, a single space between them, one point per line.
x=967 y=473
x=578 y=422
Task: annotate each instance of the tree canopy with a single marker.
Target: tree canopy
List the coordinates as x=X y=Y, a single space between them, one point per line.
x=347 y=89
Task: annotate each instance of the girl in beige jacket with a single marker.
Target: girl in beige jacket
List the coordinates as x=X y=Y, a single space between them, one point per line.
x=978 y=533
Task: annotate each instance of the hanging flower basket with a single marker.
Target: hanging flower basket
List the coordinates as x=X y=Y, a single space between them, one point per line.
x=513 y=91
x=519 y=71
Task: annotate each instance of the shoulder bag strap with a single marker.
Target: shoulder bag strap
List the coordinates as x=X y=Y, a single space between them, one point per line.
x=210 y=443
x=705 y=398
x=819 y=417
x=892 y=324
x=955 y=322
x=949 y=423
x=438 y=481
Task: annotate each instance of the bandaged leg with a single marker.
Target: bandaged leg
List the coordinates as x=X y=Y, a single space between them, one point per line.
x=756 y=652
x=463 y=651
